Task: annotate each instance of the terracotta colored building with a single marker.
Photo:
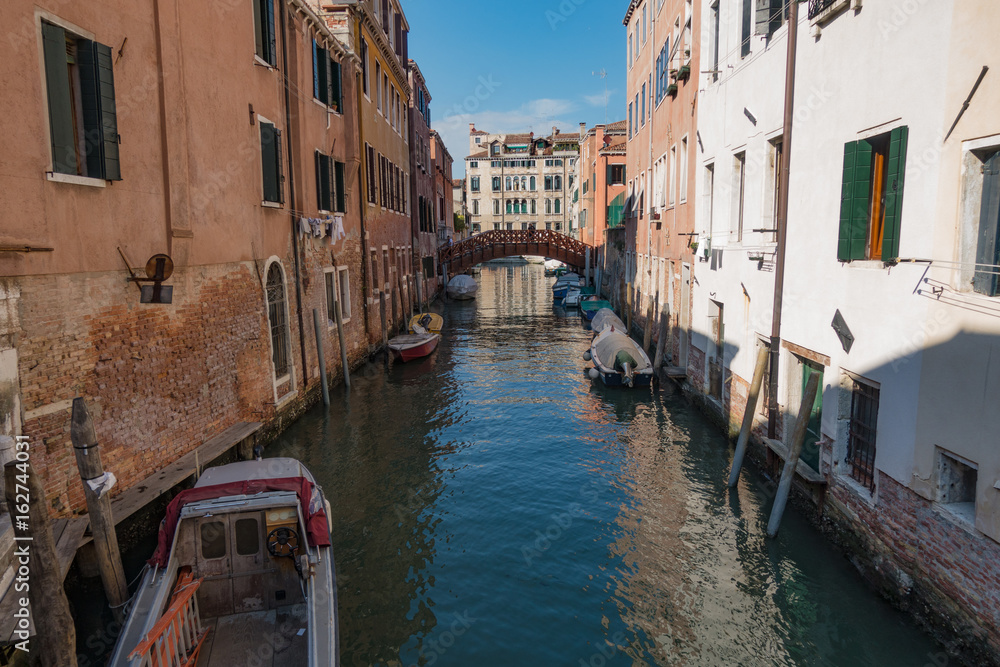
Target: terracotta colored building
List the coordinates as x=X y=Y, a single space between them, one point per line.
x=602 y=181
x=661 y=128
x=444 y=206
x=127 y=151
x=423 y=225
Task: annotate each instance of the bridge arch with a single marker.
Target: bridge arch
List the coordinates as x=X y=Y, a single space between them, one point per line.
x=497 y=244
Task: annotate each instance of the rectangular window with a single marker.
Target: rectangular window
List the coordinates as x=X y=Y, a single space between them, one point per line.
x=872 y=197
x=364 y=67
x=370 y=166
x=716 y=27
x=270 y=160
x=496 y=184
x=428 y=263
x=339 y=187
x=642 y=115
x=672 y=176
x=684 y=170
x=324 y=182
x=330 y=279
x=861 y=432
x=747 y=28
x=475 y=207
x=378 y=85
x=344 y=285
x=629 y=120
x=739 y=190
x=709 y=194
x=475 y=184
x=957 y=484
x=83 y=124
x=770 y=15
x=985 y=280
x=616 y=174
x=263 y=24
x=326 y=78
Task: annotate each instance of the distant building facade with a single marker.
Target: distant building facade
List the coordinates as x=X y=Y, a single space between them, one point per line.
x=602 y=181
x=519 y=181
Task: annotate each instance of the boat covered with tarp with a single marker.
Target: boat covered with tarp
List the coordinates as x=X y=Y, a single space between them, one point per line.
x=605 y=318
x=462 y=287
x=619 y=360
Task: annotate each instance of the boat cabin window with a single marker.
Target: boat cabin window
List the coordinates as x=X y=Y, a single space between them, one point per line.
x=213 y=539
x=247 y=537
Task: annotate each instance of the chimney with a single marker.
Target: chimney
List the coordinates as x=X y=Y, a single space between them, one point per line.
x=583 y=130
x=472 y=128
x=555 y=130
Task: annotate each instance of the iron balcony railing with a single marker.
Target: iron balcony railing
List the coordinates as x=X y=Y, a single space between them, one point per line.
x=817 y=7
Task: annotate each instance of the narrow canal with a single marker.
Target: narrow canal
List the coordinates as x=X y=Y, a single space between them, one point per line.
x=493 y=506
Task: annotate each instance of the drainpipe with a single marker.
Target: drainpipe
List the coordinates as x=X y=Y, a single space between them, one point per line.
x=291 y=198
x=779 y=270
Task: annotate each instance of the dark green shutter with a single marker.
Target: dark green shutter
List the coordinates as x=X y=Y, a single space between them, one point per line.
x=988 y=246
x=60 y=107
x=325 y=202
x=322 y=83
x=337 y=99
x=269 y=161
x=894 y=193
x=315 y=70
x=97 y=101
x=268 y=7
x=607 y=175
x=318 y=163
x=855 y=201
x=277 y=166
x=341 y=194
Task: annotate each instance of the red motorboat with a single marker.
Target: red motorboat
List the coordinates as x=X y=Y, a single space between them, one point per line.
x=413 y=346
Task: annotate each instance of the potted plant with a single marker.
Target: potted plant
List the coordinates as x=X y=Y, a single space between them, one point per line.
x=684 y=72
x=694 y=246
x=672 y=89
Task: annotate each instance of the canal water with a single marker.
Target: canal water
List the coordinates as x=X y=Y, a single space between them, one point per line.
x=493 y=506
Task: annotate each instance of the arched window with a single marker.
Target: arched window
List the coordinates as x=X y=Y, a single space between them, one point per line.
x=558 y=202
x=558 y=183
x=524 y=206
x=548 y=205
x=524 y=183
x=496 y=207
x=508 y=182
x=509 y=206
x=276 y=316
x=534 y=208
x=532 y=183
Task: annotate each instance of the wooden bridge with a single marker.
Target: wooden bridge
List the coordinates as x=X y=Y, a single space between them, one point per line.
x=511 y=243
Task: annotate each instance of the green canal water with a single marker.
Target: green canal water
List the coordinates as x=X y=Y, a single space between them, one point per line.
x=494 y=507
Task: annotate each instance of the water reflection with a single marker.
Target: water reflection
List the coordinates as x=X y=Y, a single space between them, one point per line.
x=492 y=506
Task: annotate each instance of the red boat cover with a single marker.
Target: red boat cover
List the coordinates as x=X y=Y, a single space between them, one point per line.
x=314 y=512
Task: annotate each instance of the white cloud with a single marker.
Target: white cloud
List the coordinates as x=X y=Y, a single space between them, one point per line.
x=598 y=99
x=538 y=116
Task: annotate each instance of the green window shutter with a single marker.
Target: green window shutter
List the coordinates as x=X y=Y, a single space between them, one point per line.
x=318 y=162
x=855 y=201
x=315 y=70
x=97 y=101
x=762 y=14
x=607 y=175
x=269 y=161
x=339 y=183
x=267 y=6
x=988 y=245
x=326 y=201
x=60 y=106
x=277 y=166
x=895 y=169
x=337 y=98
x=322 y=83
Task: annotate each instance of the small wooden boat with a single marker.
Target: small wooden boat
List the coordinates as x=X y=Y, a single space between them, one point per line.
x=552 y=266
x=431 y=322
x=413 y=346
x=589 y=306
x=243 y=568
x=604 y=319
x=462 y=287
x=619 y=361
x=563 y=283
x=575 y=294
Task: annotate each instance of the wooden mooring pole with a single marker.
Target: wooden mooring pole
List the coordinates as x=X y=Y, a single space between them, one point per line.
x=741 y=443
x=402 y=309
x=794 y=451
x=48 y=607
x=647 y=335
x=321 y=357
x=385 y=330
x=102 y=522
x=628 y=308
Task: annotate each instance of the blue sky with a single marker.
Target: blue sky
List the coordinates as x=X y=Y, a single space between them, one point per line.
x=519 y=65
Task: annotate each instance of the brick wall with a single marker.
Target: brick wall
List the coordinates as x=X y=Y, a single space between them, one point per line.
x=161 y=379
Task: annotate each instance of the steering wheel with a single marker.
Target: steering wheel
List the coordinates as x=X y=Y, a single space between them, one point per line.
x=282 y=542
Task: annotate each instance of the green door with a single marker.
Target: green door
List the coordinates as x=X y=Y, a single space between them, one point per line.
x=810 y=449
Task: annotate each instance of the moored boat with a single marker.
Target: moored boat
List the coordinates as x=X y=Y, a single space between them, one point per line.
x=604 y=319
x=575 y=294
x=243 y=568
x=554 y=267
x=414 y=346
x=619 y=361
x=589 y=307
x=431 y=322
x=462 y=287
x=562 y=285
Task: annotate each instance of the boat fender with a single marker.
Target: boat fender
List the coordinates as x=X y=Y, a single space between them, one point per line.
x=594 y=373
x=587 y=356
x=329 y=515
